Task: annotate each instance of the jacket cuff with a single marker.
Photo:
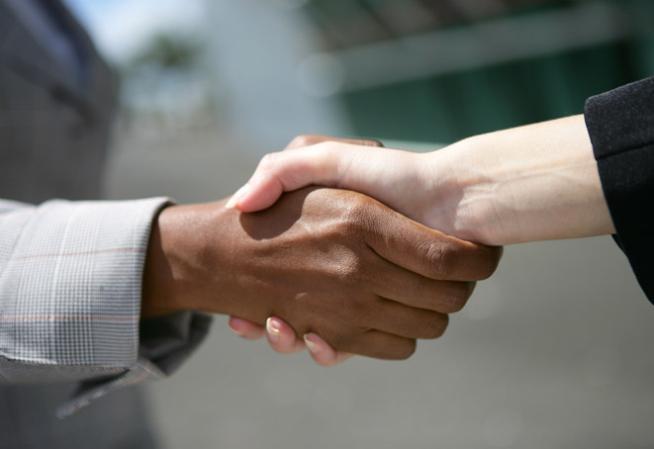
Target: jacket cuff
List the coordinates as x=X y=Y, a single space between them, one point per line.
x=80 y=304
x=165 y=343
x=621 y=127
x=71 y=299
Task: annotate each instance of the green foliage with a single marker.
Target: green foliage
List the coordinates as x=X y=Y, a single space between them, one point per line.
x=168 y=51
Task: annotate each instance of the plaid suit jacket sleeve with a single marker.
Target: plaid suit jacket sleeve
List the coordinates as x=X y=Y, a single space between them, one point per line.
x=70 y=295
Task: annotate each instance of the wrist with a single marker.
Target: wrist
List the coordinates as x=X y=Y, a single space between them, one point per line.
x=537 y=182
x=177 y=269
x=474 y=201
x=456 y=182
x=157 y=292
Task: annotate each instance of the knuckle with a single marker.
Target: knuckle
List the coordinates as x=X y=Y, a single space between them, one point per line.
x=405 y=350
x=359 y=218
x=492 y=256
x=303 y=140
x=435 y=326
x=373 y=143
x=441 y=259
x=352 y=222
x=354 y=313
x=341 y=341
x=357 y=207
x=270 y=160
x=458 y=297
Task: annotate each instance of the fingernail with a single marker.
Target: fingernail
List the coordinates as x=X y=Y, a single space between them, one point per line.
x=312 y=346
x=233 y=201
x=273 y=328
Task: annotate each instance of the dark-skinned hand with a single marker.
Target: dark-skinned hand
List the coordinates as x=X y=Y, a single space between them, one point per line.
x=330 y=262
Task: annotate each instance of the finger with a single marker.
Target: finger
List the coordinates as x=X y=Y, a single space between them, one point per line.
x=322 y=353
x=397 y=319
x=429 y=252
x=282 y=337
x=313 y=139
x=331 y=164
x=246 y=329
x=406 y=287
x=377 y=344
x=284 y=172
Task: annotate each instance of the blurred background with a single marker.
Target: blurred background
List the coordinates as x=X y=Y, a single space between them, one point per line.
x=553 y=352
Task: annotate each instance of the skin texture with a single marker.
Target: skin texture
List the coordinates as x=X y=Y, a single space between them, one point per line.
x=329 y=262
x=536 y=182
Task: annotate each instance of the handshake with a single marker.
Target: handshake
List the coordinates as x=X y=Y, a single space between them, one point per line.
x=382 y=257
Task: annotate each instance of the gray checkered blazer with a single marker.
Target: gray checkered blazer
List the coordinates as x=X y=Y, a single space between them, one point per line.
x=70 y=271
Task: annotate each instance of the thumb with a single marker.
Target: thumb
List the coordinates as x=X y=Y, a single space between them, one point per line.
x=287 y=171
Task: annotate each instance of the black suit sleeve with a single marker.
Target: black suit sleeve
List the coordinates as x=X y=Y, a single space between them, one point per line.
x=621 y=128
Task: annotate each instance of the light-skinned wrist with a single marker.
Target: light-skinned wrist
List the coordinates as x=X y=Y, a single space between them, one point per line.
x=537 y=182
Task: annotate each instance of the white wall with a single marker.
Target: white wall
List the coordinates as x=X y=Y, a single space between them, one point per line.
x=257 y=49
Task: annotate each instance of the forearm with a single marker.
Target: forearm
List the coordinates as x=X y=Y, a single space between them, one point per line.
x=537 y=182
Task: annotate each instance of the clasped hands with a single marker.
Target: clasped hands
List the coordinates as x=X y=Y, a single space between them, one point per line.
x=333 y=269
x=425 y=274
x=343 y=273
